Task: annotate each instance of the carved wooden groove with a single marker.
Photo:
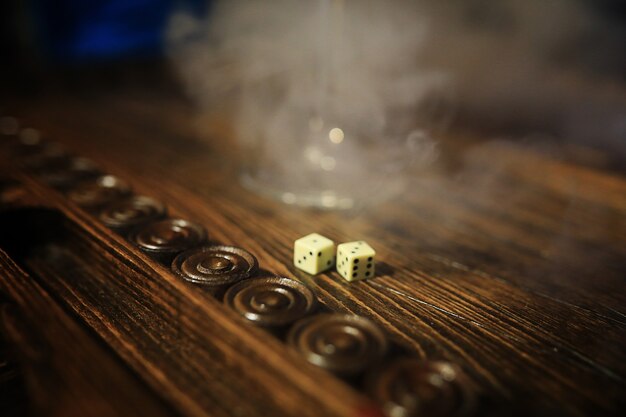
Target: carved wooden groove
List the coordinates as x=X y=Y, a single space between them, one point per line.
x=509 y=266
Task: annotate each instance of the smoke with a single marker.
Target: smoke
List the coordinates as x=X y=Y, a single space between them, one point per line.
x=330 y=94
x=324 y=93
x=556 y=66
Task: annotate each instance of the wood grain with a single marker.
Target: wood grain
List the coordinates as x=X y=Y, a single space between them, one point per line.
x=510 y=263
x=182 y=342
x=67 y=372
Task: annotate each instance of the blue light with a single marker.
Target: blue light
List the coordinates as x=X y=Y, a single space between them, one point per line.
x=78 y=30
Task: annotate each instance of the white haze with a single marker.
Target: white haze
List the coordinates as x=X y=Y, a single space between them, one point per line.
x=294 y=70
x=382 y=69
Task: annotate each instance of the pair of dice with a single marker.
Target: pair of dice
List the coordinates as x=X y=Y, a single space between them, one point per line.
x=315 y=253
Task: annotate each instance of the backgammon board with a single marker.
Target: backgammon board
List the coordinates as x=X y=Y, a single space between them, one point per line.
x=499 y=287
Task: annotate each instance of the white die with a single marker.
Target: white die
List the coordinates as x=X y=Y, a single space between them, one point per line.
x=355 y=260
x=314 y=253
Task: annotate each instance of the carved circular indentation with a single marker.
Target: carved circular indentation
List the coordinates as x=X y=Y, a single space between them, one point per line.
x=215 y=266
x=271 y=301
x=46 y=155
x=65 y=175
x=410 y=387
x=345 y=344
x=9 y=126
x=165 y=238
x=28 y=141
x=96 y=193
x=131 y=212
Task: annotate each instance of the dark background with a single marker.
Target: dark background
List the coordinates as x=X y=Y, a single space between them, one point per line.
x=39 y=36
x=45 y=42
x=112 y=44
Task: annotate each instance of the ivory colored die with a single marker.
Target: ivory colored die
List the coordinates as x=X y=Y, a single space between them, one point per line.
x=355 y=260
x=314 y=253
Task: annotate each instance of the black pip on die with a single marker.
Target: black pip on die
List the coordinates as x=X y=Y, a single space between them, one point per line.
x=314 y=253
x=355 y=260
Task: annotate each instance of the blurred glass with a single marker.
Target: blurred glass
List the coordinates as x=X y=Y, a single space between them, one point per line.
x=333 y=161
x=343 y=132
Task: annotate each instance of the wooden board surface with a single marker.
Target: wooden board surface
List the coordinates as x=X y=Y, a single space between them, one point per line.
x=62 y=358
x=509 y=262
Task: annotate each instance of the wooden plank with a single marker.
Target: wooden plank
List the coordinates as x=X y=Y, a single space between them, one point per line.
x=511 y=264
x=195 y=353
x=66 y=371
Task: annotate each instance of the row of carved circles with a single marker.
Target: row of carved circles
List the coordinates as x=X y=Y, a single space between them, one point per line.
x=349 y=346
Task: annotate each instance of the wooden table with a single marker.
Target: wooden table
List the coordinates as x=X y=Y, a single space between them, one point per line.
x=504 y=259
